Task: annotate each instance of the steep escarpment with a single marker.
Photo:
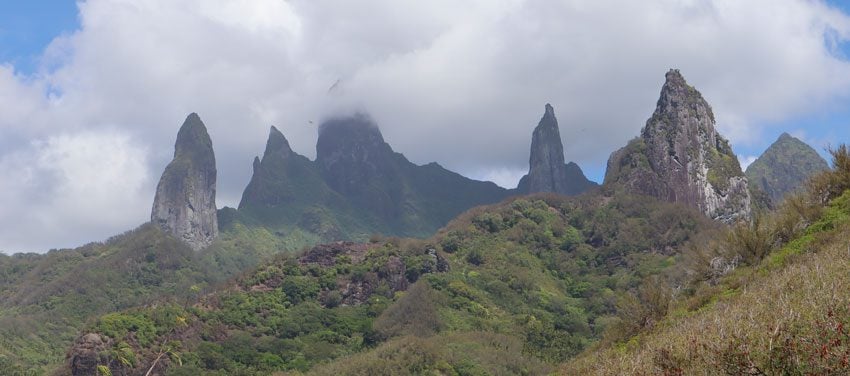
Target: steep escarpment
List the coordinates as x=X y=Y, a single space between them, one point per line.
x=784 y=167
x=547 y=171
x=680 y=157
x=184 y=205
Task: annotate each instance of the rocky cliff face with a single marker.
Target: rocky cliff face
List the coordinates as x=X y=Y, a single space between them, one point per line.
x=86 y=354
x=184 y=205
x=784 y=167
x=547 y=171
x=680 y=157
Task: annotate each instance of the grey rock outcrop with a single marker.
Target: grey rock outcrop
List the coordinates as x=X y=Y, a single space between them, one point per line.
x=680 y=157
x=547 y=171
x=184 y=205
x=85 y=355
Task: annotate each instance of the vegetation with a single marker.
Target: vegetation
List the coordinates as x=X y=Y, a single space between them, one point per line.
x=771 y=297
x=45 y=300
x=628 y=284
x=722 y=165
x=540 y=276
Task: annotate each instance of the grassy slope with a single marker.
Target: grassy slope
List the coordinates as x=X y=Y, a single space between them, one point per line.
x=787 y=314
x=530 y=283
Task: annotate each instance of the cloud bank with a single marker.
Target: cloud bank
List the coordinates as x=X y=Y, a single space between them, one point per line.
x=460 y=82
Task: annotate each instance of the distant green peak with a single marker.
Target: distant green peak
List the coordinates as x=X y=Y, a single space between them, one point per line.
x=784 y=167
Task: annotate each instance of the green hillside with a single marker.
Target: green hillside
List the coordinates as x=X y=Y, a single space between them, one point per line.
x=513 y=288
x=46 y=299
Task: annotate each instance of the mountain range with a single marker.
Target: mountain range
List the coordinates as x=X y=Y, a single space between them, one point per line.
x=412 y=264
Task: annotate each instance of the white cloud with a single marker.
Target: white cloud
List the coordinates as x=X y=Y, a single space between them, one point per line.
x=460 y=82
x=504 y=177
x=747 y=160
x=71 y=189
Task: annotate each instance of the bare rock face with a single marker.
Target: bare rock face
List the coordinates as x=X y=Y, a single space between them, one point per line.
x=184 y=205
x=680 y=157
x=85 y=355
x=547 y=171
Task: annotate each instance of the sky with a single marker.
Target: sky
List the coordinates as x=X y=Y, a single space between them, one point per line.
x=92 y=93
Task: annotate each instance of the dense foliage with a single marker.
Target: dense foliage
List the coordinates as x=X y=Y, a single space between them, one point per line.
x=46 y=299
x=540 y=276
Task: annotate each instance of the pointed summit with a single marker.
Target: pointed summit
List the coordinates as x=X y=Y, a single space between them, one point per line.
x=277 y=144
x=547 y=171
x=680 y=157
x=784 y=167
x=281 y=177
x=194 y=141
x=184 y=205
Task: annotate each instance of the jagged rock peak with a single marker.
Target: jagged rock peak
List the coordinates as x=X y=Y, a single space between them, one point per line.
x=256 y=164
x=277 y=144
x=547 y=171
x=680 y=157
x=184 y=205
x=276 y=175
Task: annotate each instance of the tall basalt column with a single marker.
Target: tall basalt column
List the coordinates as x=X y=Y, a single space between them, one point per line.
x=184 y=205
x=546 y=169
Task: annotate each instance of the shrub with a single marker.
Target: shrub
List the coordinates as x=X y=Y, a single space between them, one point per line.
x=489 y=222
x=752 y=241
x=118 y=325
x=831 y=184
x=414 y=313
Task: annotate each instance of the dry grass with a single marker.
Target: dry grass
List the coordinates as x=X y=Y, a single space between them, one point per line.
x=787 y=321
